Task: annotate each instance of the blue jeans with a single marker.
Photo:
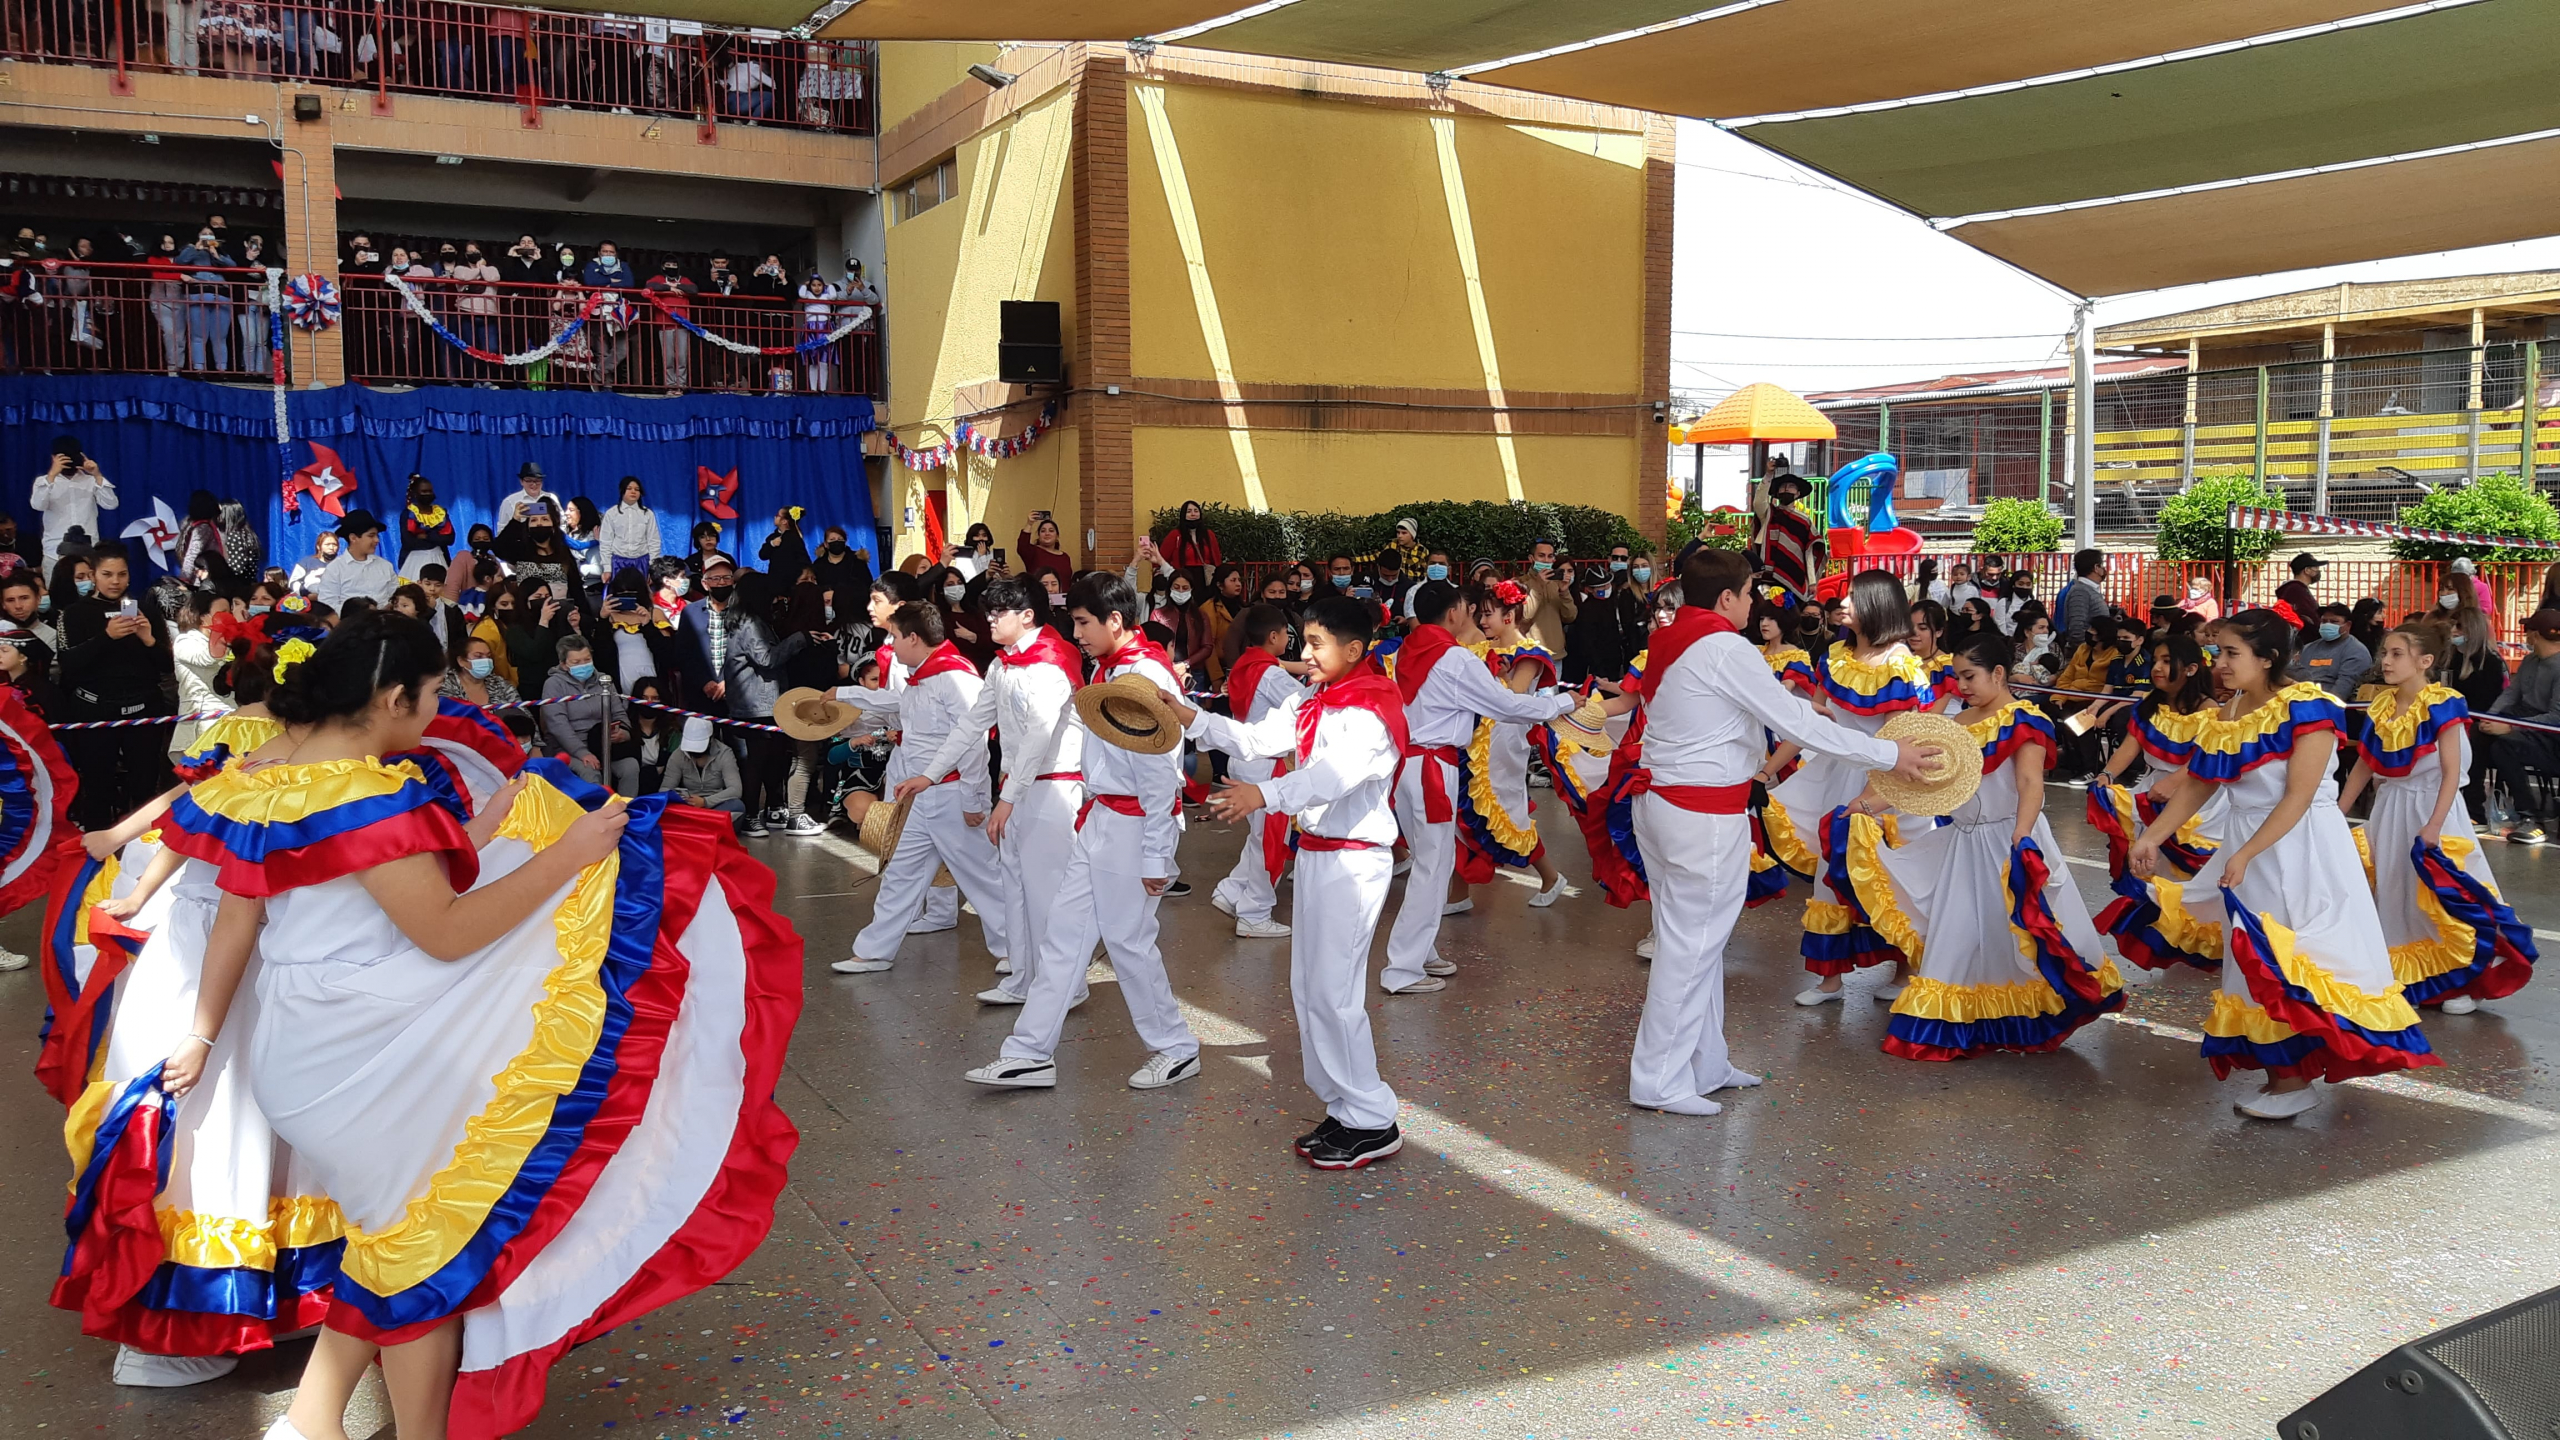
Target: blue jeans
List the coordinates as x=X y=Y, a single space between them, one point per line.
x=208 y=332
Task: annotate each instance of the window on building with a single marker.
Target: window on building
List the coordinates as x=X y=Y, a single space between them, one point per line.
x=926 y=188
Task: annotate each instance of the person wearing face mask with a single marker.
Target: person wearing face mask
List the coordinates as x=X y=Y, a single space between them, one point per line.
x=2333 y=659
x=256 y=347
x=24 y=605
x=671 y=298
x=670 y=588
x=582 y=717
x=627 y=535
x=843 y=573
x=956 y=597
x=475 y=310
x=2474 y=667
x=1551 y=604
x=208 y=302
x=612 y=340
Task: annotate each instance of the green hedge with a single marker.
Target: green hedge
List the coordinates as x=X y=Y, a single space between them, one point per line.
x=2017 y=526
x=2498 y=504
x=1469 y=530
x=2196 y=523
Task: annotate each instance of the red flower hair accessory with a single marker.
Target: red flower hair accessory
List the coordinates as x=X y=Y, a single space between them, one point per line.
x=230 y=631
x=2287 y=611
x=1509 y=593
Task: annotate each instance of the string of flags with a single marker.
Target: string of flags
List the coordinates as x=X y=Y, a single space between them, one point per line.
x=981 y=443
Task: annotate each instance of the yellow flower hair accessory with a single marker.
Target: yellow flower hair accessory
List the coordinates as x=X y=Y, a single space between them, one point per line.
x=796 y=513
x=290 y=654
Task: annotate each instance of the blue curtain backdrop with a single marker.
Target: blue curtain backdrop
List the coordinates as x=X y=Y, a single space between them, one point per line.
x=155 y=436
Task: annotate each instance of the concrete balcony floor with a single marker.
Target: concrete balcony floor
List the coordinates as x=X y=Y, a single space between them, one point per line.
x=2088 y=1243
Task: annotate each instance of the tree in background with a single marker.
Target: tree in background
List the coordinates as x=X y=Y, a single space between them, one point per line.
x=2017 y=526
x=2496 y=504
x=2196 y=525
x=1468 y=530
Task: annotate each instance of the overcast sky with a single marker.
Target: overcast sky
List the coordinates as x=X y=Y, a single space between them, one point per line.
x=1765 y=247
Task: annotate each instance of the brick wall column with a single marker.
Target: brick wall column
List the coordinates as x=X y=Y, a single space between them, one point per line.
x=1653 y=450
x=311 y=234
x=1099 y=353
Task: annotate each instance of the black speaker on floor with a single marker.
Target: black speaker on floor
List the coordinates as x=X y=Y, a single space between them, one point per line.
x=2496 y=1377
x=1028 y=347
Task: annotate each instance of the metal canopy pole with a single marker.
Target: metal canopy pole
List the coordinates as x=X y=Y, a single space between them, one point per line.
x=2084 y=433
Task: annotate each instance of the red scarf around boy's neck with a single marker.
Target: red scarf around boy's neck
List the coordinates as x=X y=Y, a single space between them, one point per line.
x=1421 y=650
x=1363 y=689
x=1046 y=648
x=946 y=659
x=1244 y=680
x=1133 y=648
x=1687 y=628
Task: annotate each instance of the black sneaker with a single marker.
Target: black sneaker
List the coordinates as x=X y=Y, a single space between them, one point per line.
x=1326 y=1127
x=754 y=828
x=1349 y=1149
x=1177 y=889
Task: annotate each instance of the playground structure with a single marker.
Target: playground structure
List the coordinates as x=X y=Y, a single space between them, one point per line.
x=1883 y=534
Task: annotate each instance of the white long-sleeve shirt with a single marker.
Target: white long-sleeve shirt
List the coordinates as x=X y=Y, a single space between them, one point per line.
x=372 y=577
x=1703 y=724
x=70 y=500
x=1460 y=688
x=1033 y=706
x=1345 y=791
x=630 y=531
x=1275 y=689
x=1143 y=844
x=930 y=714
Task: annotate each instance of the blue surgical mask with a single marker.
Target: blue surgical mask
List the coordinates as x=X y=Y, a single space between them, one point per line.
x=44 y=603
x=481 y=665
x=2461 y=641
x=1643 y=574
x=583 y=670
x=1341 y=582
x=84 y=586
x=1435 y=572
x=1542 y=566
x=1616 y=564
x=2329 y=630
x=260 y=609
x=2212 y=650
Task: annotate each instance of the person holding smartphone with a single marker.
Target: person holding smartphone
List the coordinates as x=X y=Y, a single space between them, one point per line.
x=115 y=656
x=1043 y=553
x=69 y=495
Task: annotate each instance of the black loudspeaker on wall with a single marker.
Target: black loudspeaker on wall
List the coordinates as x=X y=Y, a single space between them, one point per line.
x=2496 y=1377
x=1028 y=349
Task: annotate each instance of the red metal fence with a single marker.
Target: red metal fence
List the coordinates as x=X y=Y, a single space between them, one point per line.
x=133 y=319
x=532 y=58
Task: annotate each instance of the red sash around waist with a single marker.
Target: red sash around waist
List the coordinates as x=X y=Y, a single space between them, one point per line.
x=1117 y=804
x=1435 y=791
x=1075 y=775
x=1697 y=799
x=1328 y=842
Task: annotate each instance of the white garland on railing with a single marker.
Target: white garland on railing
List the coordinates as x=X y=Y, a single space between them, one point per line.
x=861 y=317
x=418 y=307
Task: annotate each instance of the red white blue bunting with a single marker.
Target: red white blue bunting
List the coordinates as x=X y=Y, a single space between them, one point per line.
x=986 y=446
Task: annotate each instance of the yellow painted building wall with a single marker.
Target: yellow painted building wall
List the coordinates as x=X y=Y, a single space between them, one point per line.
x=913 y=72
x=1328 y=237
x=1009 y=235
x=1364 y=472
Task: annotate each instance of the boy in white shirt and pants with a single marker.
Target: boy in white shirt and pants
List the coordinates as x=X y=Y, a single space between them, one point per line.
x=1345 y=740
x=1122 y=862
x=942 y=828
x=1029 y=700
x=1257 y=687
x=1708 y=694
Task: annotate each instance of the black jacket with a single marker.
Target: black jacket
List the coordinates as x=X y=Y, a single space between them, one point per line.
x=117 y=673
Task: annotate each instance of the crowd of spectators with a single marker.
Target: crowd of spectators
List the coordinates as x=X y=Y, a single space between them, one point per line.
x=193 y=301
x=620 y=64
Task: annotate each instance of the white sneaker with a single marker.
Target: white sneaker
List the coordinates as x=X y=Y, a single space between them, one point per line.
x=1886 y=994
x=1016 y=1075
x=1218 y=897
x=1000 y=996
x=1403 y=867
x=1548 y=896
x=1459 y=907
x=1264 y=929
x=283 y=1430
x=2458 y=1005
x=1819 y=996
x=1437 y=966
x=168 y=1372
x=1644 y=947
x=1003 y=966
x=2267 y=1106
x=1165 y=1068
x=1423 y=986
x=806 y=825
x=12 y=960
x=856 y=965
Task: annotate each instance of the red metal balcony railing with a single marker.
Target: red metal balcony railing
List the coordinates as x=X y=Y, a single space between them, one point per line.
x=136 y=319
x=531 y=58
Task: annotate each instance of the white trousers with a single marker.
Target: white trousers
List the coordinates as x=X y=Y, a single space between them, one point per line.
x=935 y=836
x=1329 y=979
x=1697 y=867
x=1038 y=842
x=1095 y=904
x=941 y=908
x=1434 y=847
x=1249 y=887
